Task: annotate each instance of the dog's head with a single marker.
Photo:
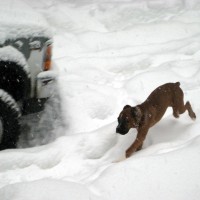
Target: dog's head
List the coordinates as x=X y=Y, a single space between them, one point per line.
x=128 y=118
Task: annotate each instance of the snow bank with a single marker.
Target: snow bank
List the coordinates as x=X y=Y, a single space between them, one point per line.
x=139 y=35
x=109 y=54
x=159 y=176
x=56 y=190
x=19 y=20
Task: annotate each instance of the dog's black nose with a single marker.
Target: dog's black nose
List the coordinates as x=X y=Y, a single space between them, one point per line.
x=117 y=130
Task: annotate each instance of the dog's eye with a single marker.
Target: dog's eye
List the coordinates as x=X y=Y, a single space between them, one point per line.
x=127 y=120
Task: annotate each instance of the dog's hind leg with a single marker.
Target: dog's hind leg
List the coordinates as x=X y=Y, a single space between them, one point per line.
x=181 y=108
x=188 y=107
x=178 y=105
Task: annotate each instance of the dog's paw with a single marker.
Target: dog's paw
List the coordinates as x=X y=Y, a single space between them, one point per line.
x=120 y=159
x=194 y=117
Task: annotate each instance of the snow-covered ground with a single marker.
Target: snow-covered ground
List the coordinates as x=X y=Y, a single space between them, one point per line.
x=109 y=54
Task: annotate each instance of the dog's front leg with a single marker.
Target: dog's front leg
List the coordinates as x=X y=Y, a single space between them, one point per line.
x=141 y=135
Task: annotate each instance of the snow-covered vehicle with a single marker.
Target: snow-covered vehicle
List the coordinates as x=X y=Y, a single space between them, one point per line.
x=26 y=78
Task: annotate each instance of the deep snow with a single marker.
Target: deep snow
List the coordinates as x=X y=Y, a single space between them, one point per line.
x=19 y=20
x=109 y=54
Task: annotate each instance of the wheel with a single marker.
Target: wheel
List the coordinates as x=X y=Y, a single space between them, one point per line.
x=9 y=121
x=15 y=80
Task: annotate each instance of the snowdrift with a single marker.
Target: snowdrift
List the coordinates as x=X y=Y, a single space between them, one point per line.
x=109 y=54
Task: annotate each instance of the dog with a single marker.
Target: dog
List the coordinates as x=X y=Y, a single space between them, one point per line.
x=145 y=115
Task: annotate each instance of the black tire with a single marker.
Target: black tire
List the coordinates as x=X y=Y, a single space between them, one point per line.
x=9 y=118
x=15 y=80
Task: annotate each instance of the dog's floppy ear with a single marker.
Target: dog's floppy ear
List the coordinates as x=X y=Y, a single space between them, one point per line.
x=136 y=113
x=127 y=106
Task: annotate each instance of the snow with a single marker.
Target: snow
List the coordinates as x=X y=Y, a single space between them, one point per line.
x=110 y=54
x=52 y=188
x=18 y=20
x=9 y=53
x=6 y=98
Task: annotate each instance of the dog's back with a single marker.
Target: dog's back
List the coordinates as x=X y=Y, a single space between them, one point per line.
x=165 y=95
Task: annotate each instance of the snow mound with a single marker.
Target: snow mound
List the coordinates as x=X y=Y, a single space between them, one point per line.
x=11 y=54
x=109 y=54
x=53 y=190
x=163 y=176
x=17 y=20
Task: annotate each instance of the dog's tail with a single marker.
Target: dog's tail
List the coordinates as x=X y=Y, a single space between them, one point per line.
x=177 y=84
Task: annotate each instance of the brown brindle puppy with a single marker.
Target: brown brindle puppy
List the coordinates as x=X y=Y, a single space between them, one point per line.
x=145 y=115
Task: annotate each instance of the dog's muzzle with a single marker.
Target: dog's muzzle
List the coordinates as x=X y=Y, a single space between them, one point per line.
x=121 y=131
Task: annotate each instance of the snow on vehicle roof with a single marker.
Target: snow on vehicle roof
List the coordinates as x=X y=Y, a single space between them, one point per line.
x=17 y=19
